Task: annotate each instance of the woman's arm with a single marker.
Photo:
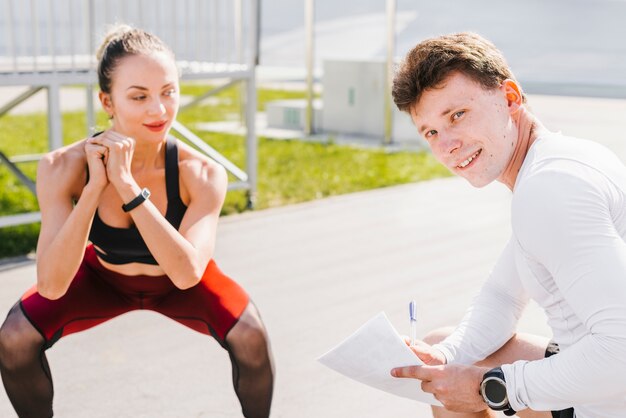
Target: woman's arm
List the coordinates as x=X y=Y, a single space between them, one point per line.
x=65 y=227
x=183 y=254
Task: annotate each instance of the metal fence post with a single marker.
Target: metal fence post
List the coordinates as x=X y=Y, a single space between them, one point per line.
x=391 y=42
x=55 y=130
x=251 y=98
x=309 y=24
x=91 y=44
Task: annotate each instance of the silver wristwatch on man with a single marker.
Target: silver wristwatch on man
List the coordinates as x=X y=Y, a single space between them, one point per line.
x=493 y=391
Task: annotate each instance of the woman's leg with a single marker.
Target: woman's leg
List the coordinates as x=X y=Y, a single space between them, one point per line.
x=35 y=323
x=219 y=307
x=25 y=372
x=519 y=347
x=253 y=370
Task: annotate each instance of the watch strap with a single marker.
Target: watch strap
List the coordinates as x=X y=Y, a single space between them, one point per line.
x=138 y=200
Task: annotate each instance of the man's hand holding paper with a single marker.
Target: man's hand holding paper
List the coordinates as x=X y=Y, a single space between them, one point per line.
x=368 y=356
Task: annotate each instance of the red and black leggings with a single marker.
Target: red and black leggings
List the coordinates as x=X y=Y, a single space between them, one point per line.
x=97 y=294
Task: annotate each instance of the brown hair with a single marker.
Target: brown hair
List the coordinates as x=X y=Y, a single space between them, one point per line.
x=122 y=41
x=431 y=61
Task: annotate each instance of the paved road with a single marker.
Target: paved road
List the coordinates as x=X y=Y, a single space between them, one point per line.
x=317 y=271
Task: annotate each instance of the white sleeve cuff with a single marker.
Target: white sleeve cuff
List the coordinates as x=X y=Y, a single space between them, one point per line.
x=515 y=389
x=446 y=352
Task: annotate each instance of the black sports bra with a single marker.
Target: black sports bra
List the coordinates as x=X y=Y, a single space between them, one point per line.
x=125 y=245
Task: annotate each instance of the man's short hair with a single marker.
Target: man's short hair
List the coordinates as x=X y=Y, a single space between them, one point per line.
x=431 y=61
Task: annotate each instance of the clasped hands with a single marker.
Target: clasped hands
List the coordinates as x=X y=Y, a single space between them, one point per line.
x=109 y=157
x=455 y=386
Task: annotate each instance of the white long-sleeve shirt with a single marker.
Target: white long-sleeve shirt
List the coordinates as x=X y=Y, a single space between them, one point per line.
x=568 y=253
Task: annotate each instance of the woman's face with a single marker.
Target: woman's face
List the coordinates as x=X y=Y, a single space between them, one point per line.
x=144 y=96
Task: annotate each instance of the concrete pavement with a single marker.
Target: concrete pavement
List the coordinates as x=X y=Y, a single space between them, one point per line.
x=317 y=271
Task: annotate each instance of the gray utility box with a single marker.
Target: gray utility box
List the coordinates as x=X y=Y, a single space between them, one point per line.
x=291 y=114
x=353 y=104
x=354 y=94
x=354 y=101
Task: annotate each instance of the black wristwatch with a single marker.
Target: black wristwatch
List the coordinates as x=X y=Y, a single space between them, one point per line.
x=141 y=197
x=493 y=391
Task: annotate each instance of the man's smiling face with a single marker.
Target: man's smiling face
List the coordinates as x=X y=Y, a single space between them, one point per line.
x=469 y=128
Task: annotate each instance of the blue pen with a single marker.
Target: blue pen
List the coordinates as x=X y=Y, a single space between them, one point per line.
x=413 y=319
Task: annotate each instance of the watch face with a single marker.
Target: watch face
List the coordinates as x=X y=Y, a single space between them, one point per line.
x=495 y=391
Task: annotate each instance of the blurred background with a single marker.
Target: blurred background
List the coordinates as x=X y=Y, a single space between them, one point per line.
x=556 y=41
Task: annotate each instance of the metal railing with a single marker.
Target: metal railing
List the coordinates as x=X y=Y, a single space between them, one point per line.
x=46 y=44
x=60 y=36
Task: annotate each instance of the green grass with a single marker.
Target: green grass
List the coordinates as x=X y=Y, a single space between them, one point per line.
x=289 y=171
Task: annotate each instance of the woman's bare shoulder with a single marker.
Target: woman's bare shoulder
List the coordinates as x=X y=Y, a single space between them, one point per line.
x=193 y=162
x=66 y=163
x=67 y=155
x=201 y=175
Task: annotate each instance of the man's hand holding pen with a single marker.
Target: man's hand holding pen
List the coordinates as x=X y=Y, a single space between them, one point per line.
x=423 y=351
x=455 y=386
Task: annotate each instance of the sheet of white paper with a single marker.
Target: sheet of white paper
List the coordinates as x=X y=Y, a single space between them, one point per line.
x=368 y=356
